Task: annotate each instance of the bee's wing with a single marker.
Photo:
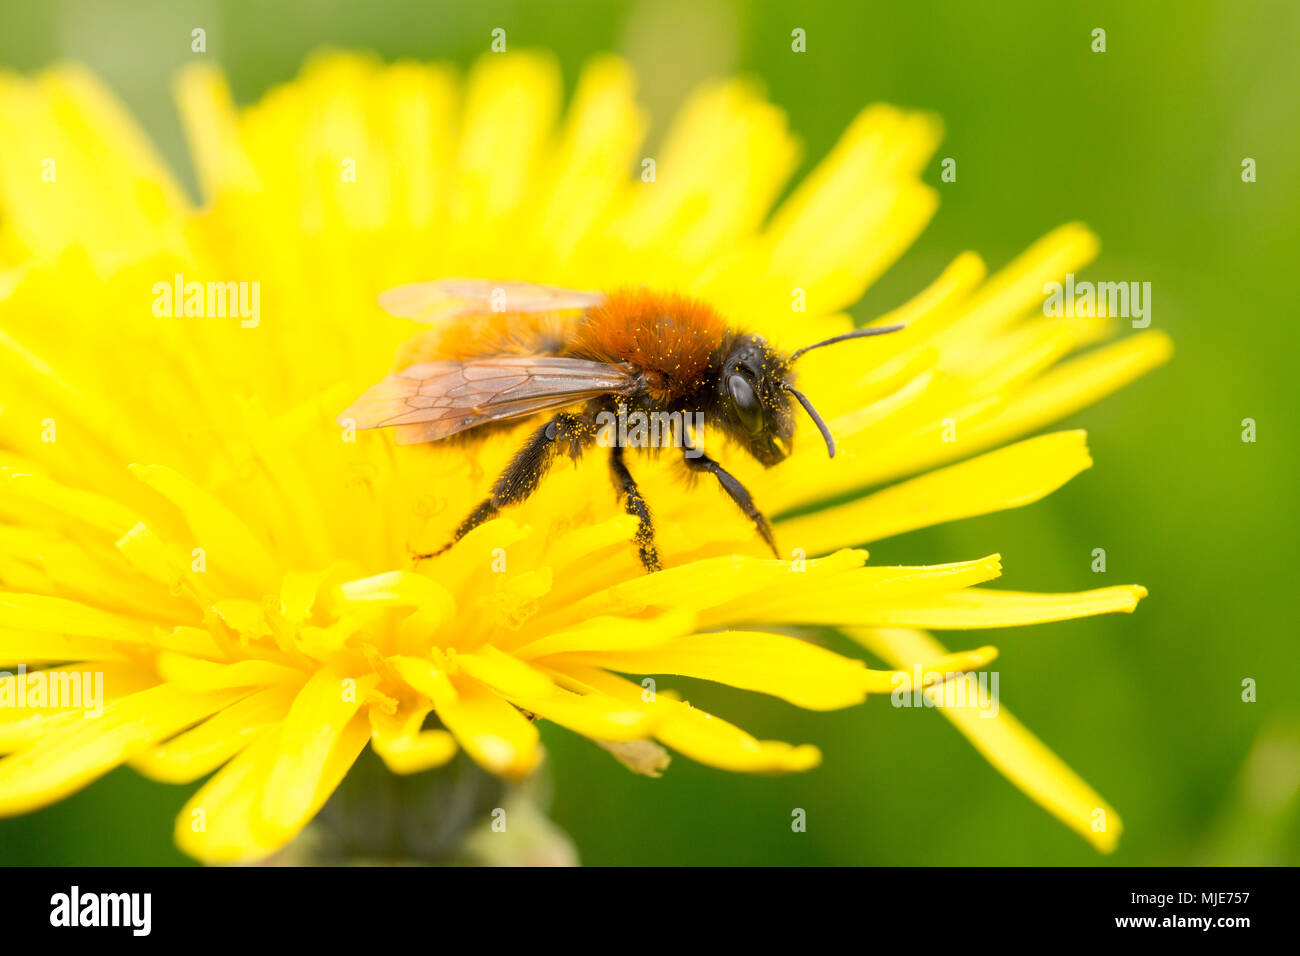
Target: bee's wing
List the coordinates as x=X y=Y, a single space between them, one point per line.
x=451 y=298
x=432 y=400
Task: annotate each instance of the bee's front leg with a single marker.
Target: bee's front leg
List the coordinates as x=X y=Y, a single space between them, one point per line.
x=738 y=493
x=522 y=476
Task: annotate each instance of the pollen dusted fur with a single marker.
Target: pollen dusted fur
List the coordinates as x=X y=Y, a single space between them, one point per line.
x=672 y=339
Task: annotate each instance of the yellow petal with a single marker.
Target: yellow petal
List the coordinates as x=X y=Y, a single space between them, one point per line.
x=644 y=757
x=115 y=196
x=200 y=675
x=1007 y=478
x=703 y=584
x=197 y=752
x=720 y=166
x=979 y=607
x=232 y=549
x=404 y=747
x=425 y=676
x=208 y=114
x=711 y=740
x=1009 y=746
x=690 y=731
x=510 y=107
x=216 y=824
x=32 y=647
x=103 y=514
x=504 y=673
x=611 y=633
x=310 y=736
x=222 y=822
x=44 y=614
x=592 y=715
x=1018 y=287
x=491 y=730
x=934 y=671
x=67 y=758
x=603 y=128
x=850 y=596
x=1073 y=385
x=398 y=588
x=858 y=209
x=784 y=667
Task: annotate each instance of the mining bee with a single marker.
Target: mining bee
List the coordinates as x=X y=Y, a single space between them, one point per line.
x=503 y=351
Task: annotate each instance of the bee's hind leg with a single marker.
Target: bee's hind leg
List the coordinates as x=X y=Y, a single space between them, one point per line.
x=636 y=506
x=525 y=471
x=483 y=511
x=739 y=494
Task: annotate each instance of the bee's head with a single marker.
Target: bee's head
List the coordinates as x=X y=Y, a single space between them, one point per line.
x=756 y=388
x=756 y=406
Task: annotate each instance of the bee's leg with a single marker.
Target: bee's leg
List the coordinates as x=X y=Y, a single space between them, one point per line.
x=524 y=473
x=739 y=494
x=636 y=506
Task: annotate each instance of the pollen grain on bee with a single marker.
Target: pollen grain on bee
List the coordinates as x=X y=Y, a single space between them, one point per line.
x=656 y=429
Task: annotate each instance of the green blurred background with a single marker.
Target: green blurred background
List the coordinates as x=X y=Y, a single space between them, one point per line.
x=1144 y=143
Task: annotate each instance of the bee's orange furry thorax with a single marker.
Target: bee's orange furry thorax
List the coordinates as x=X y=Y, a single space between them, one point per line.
x=669 y=337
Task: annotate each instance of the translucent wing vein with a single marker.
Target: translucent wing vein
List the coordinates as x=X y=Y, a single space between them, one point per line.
x=442 y=398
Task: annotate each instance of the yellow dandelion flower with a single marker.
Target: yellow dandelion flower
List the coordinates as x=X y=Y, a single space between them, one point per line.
x=182 y=517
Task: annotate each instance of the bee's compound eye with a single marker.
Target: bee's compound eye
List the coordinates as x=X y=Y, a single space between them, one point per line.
x=745 y=402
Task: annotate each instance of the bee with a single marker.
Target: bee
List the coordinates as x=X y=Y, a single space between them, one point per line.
x=500 y=352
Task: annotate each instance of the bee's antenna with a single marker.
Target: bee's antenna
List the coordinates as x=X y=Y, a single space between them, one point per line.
x=855 y=334
x=812 y=413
